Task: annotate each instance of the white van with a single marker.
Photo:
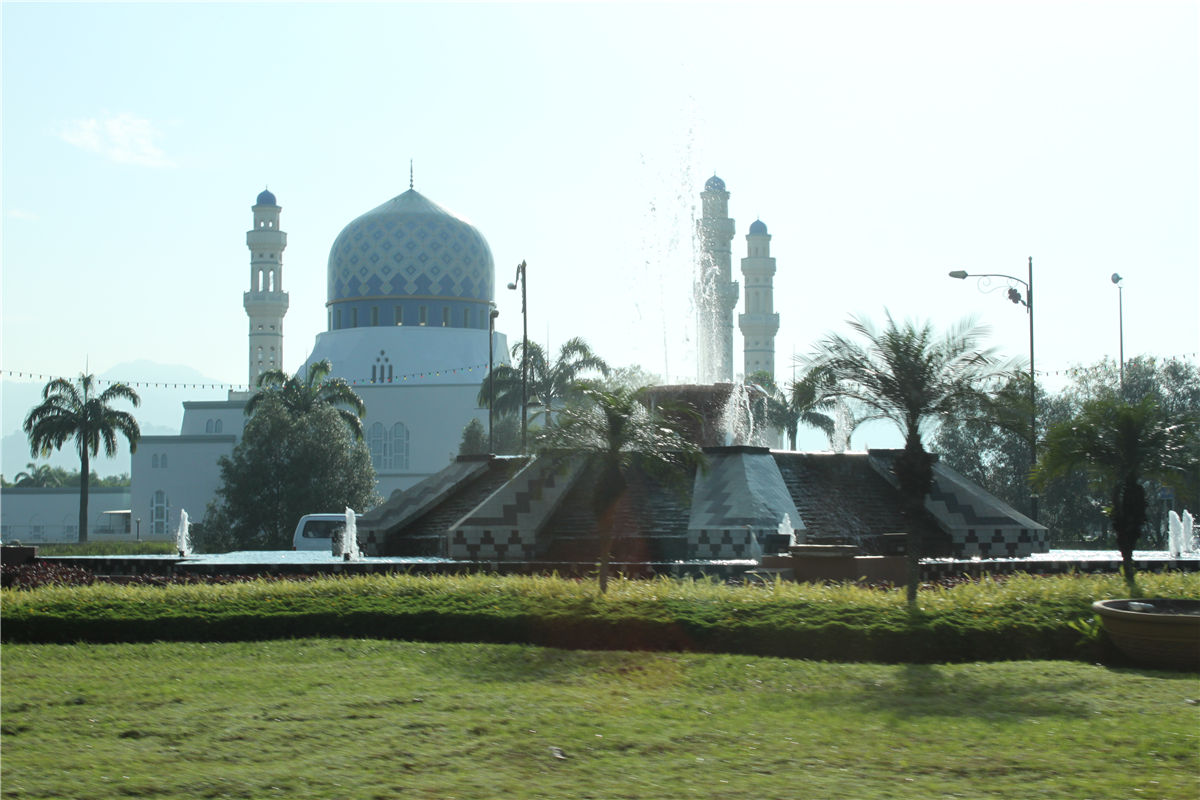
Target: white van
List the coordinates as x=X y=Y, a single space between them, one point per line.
x=315 y=531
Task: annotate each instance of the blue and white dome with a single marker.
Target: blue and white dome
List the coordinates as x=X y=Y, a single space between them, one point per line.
x=714 y=184
x=758 y=227
x=410 y=262
x=265 y=198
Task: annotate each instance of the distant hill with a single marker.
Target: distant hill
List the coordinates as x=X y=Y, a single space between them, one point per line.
x=162 y=388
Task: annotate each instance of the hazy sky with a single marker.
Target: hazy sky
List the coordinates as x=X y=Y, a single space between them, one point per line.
x=883 y=144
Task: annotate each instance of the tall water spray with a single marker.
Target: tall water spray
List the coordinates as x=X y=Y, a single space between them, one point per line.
x=1179 y=535
x=786 y=529
x=348 y=540
x=183 y=538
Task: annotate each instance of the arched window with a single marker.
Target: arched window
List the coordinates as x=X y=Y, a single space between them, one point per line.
x=217 y=426
x=162 y=461
x=379 y=446
x=158 y=512
x=208 y=426
x=388 y=446
x=399 y=446
x=154 y=461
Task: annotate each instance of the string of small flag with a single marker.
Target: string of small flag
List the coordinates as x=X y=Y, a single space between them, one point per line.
x=410 y=377
x=470 y=369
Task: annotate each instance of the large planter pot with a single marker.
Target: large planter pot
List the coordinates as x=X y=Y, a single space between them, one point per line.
x=1156 y=631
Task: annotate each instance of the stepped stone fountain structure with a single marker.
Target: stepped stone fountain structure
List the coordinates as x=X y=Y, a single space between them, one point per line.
x=538 y=509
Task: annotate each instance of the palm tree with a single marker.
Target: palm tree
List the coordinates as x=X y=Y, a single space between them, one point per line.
x=547 y=384
x=72 y=411
x=909 y=376
x=1119 y=445
x=39 y=475
x=801 y=404
x=615 y=427
x=300 y=395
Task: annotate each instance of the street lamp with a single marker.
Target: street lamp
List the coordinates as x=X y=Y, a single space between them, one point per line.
x=524 y=354
x=491 y=377
x=1015 y=296
x=1116 y=279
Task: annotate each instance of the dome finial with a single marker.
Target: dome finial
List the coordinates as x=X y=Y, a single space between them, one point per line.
x=410 y=174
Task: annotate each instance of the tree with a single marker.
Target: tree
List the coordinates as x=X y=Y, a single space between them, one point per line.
x=39 y=475
x=801 y=404
x=506 y=436
x=616 y=428
x=547 y=384
x=300 y=396
x=907 y=375
x=284 y=467
x=995 y=454
x=73 y=411
x=1119 y=445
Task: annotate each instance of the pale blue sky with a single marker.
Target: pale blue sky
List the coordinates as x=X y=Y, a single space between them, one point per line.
x=883 y=144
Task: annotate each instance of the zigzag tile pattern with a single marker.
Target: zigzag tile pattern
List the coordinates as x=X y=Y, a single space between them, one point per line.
x=506 y=525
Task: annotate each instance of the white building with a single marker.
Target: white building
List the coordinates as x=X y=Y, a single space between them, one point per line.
x=410 y=288
x=36 y=515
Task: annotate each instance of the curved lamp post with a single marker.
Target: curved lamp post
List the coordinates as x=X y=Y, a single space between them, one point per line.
x=1121 y=325
x=491 y=376
x=1015 y=296
x=520 y=277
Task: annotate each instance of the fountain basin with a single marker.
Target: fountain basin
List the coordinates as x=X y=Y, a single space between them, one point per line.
x=1158 y=631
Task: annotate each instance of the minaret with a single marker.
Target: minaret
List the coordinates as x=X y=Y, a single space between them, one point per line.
x=759 y=323
x=266 y=302
x=716 y=293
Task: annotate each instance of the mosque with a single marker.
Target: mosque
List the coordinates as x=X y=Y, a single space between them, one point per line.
x=410 y=289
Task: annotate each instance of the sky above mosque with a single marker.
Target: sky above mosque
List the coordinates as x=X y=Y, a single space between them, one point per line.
x=883 y=144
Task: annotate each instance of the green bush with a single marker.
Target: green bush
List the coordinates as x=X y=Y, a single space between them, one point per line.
x=1018 y=617
x=108 y=549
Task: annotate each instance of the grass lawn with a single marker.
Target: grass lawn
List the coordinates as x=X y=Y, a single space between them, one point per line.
x=351 y=718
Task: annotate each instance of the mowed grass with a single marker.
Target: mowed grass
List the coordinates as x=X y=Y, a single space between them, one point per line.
x=356 y=718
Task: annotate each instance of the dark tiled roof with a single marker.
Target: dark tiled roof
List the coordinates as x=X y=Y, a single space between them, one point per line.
x=842 y=496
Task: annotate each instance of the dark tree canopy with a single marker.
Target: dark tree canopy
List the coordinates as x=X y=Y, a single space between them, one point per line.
x=284 y=467
x=506 y=436
x=1119 y=445
x=303 y=392
x=995 y=454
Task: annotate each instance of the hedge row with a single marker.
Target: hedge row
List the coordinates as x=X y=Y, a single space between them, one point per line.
x=1021 y=617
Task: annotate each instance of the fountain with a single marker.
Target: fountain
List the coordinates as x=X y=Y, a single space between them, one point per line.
x=345 y=541
x=786 y=529
x=736 y=425
x=1179 y=535
x=183 y=539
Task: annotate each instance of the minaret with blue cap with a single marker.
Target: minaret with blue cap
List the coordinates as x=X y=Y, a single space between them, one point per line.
x=759 y=323
x=266 y=303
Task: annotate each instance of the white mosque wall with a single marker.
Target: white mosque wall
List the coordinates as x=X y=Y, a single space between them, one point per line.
x=171 y=473
x=213 y=417
x=420 y=386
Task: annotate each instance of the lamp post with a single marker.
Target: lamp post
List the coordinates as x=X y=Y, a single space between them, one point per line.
x=491 y=377
x=520 y=277
x=1015 y=296
x=1116 y=279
